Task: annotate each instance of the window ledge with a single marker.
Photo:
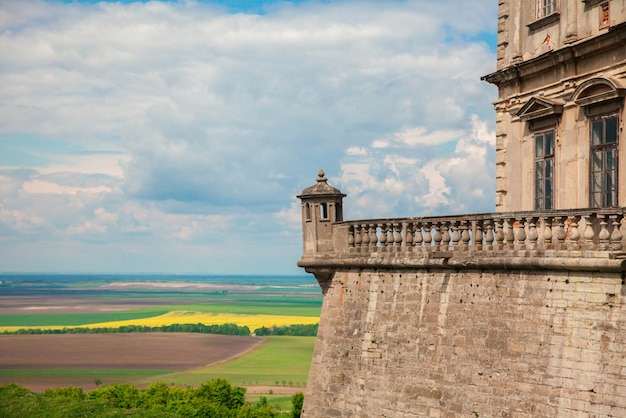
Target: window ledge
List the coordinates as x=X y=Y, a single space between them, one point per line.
x=544 y=21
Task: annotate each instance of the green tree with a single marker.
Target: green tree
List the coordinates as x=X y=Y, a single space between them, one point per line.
x=70 y=392
x=296 y=401
x=220 y=392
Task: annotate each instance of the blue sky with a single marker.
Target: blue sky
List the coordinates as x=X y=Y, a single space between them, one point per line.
x=172 y=137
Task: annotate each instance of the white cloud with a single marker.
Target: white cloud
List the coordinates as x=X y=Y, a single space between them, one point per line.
x=407 y=184
x=356 y=151
x=45 y=187
x=419 y=135
x=165 y=127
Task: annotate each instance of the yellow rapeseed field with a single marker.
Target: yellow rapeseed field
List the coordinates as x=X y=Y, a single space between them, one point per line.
x=191 y=317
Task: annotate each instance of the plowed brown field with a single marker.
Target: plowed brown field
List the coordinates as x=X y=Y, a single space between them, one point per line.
x=92 y=352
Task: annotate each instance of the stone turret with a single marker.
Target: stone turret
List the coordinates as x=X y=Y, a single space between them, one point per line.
x=321 y=207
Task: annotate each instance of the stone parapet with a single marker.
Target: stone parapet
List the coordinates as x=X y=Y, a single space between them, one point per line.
x=575 y=240
x=593 y=232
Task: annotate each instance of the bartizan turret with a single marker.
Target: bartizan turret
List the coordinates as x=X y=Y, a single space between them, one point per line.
x=322 y=206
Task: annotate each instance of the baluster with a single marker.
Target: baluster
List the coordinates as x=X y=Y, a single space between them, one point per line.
x=478 y=237
x=559 y=234
x=357 y=237
x=465 y=236
x=428 y=239
x=383 y=236
x=445 y=236
x=373 y=235
x=616 y=235
x=604 y=235
x=409 y=236
x=489 y=236
x=547 y=232
x=417 y=237
x=351 y=236
x=520 y=234
x=499 y=234
x=437 y=237
x=589 y=233
x=532 y=233
x=509 y=235
x=390 y=238
x=574 y=232
x=398 y=233
x=365 y=236
x=456 y=236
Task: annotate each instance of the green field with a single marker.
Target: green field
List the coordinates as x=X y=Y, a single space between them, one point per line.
x=281 y=361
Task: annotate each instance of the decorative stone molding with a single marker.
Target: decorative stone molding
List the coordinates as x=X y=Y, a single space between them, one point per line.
x=539 y=107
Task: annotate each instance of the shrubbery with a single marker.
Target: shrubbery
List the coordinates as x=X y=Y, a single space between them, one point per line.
x=215 y=399
x=223 y=329
x=298 y=330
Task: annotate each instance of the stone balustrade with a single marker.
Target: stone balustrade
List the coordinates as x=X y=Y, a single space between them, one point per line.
x=546 y=233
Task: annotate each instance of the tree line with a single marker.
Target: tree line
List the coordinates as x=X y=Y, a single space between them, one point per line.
x=215 y=399
x=301 y=330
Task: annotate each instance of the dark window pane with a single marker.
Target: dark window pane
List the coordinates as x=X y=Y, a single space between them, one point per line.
x=596 y=132
x=548 y=203
x=549 y=147
x=596 y=200
x=596 y=161
x=539 y=146
x=610 y=159
x=549 y=168
x=596 y=182
x=539 y=189
x=610 y=180
x=611 y=130
x=548 y=188
x=539 y=170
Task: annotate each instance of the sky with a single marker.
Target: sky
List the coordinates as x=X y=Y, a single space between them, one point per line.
x=173 y=136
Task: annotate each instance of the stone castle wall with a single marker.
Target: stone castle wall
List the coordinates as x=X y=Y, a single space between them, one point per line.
x=471 y=343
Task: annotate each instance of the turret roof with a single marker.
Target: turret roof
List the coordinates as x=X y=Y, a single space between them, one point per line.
x=321 y=188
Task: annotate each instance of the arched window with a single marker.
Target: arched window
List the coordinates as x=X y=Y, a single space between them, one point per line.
x=323 y=211
x=338 y=212
x=602 y=100
x=307 y=211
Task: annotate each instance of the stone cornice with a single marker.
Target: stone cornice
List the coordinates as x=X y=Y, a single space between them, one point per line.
x=616 y=35
x=510 y=260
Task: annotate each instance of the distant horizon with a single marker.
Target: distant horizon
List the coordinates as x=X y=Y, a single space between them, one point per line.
x=52 y=273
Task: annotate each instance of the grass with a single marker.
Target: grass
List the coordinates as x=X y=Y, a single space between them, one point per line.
x=280 y=402
x=248 y=305
x=40 y=320
x=279 y=361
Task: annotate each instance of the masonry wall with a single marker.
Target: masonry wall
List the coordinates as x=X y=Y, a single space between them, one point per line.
x=470 y=343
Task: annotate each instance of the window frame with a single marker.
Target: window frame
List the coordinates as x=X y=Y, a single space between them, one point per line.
x=602 y=23
x=609 y=197
x=542 y=6
x=543 y=200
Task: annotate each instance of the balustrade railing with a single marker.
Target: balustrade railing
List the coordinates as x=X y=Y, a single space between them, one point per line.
x=573 y=230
